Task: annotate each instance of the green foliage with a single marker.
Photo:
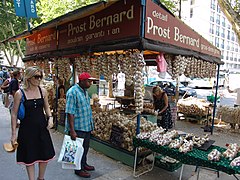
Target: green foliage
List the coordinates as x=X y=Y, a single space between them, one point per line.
x=51 y=9
x=171 y=5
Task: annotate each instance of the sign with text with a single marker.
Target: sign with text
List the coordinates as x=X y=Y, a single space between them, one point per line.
x=25 y=8
x=43 y=41
x=116 y=137
x=119 y=21
x=162 y=26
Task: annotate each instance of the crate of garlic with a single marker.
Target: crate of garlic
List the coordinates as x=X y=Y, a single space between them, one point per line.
x=193 y=106
x=106 y=120
x=229 y=114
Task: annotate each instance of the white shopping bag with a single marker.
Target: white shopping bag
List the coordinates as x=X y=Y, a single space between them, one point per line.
x=71 y=153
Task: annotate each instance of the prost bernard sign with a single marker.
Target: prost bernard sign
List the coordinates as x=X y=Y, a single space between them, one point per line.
x=43 y=41
x=119 y=21
x=163 y=27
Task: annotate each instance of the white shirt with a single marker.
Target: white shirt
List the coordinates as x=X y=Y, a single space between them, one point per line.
x=238 y=96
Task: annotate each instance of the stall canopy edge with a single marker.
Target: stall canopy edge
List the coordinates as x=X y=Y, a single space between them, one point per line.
x=73 y=15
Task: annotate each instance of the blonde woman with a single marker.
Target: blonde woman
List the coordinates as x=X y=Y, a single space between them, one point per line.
x=35 y=144
x=160 y=102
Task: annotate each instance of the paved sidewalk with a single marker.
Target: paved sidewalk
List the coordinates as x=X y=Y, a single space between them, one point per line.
x=106 y=168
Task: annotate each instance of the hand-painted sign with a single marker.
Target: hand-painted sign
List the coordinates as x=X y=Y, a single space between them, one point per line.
x=162 y=26
x=25 y=8
x=119 y=21
x=43 y=41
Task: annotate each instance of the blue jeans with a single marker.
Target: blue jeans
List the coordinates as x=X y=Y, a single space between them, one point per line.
x=86 y=141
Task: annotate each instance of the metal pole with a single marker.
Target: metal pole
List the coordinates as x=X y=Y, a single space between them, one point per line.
x=180 y=9
x=215 y=98
x=56 y=101
x=138 y=124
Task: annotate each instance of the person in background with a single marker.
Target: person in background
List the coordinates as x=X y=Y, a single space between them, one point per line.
x=79 y=121
x=237 y=90
x=237 y=102
x=13 y=87
x=35 y=144
x=5 y=88
x=61 y=89
x=4 y=74
x=161 y=105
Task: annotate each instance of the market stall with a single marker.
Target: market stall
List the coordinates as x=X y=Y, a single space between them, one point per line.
x=107 y=38
x=192 y=150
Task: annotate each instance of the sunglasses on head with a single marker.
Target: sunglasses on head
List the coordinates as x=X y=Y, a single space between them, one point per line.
x=38 y=76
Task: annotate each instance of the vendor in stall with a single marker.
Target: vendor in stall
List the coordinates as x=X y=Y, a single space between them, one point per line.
x=161 y=105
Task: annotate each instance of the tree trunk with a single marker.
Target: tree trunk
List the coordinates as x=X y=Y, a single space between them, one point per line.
x=232 y=16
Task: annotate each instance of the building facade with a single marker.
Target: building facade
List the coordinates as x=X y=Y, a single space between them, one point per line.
x=208 y=20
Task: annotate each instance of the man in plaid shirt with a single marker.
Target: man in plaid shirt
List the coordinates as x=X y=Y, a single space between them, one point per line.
x=79 y=121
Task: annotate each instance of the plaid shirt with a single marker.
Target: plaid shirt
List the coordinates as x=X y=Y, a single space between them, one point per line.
x=78 y=104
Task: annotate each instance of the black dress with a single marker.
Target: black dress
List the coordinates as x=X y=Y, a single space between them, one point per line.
x=166 y=121
x=35 y=144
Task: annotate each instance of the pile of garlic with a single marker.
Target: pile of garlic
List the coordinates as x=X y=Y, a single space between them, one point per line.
x=231 y=151
x=193 y=106
x=103 y=122
x=229 y=114
x=214 y=155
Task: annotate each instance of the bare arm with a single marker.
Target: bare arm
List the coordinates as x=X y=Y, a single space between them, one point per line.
x=230 y=91
x=5 y=84
x=17 y=98
x=47 y=109
x=166 y=103
x=73 y=134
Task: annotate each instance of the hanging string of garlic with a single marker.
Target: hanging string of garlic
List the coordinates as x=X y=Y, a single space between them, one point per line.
x=169 y=59
x=139 y=83
x=46 y=67
x=94 y=67
x=115 y=64
x=64 y=69
x=105 y=67
x=78 y=65
x=187 y=71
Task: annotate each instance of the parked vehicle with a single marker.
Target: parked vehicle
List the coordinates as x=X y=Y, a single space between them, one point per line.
x=206 y=82
x=169 y=86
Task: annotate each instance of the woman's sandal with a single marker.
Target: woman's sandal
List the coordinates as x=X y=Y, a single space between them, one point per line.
x=39 y=179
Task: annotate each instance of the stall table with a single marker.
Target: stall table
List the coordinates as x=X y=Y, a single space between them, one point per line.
x=195 y=157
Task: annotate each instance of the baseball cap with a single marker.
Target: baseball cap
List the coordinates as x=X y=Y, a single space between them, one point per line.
x=85 y=76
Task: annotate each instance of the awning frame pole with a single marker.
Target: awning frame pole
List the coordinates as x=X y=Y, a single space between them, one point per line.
x=215 y=98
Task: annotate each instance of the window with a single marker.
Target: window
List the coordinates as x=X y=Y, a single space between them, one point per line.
x=218 y=19
x=223 y=33
x=217 y=31
x=222 y=44
x=212 y=16
x=223 y=22
x=233 y=36
x=218 y=9
x=228 y=35
x=213 y=4
x=217 y=41
x=191 y=12
x=211 y=28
